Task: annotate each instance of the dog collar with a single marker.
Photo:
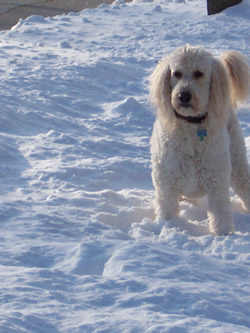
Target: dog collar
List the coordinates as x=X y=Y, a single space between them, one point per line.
x=190 y=119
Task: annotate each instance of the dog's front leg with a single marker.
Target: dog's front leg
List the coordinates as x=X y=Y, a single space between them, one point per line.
x=220 y=212
x=166 y=202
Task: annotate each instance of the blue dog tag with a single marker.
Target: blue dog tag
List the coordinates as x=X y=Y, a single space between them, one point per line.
x=201 y=133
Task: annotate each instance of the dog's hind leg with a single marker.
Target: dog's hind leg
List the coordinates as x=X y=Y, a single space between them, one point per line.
x=240 y=180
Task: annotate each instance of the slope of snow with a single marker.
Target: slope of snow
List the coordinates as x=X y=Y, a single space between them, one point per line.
x=79 y=249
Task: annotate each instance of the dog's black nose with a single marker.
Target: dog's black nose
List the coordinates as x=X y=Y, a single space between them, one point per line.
x=185 y=97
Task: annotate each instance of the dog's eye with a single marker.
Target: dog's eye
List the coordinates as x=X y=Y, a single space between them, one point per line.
x=197 y=74
x=178 y=74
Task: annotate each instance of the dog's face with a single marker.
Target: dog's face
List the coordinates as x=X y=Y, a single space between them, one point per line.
x=190 y=74
x=191 y=82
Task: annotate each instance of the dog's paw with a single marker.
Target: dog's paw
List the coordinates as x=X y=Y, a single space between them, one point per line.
x=222 y=230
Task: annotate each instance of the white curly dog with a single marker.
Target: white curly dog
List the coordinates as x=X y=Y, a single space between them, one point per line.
x=197 y=145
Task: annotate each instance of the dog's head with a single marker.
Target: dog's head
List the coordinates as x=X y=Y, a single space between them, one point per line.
x=190 y=74
x=191 y=83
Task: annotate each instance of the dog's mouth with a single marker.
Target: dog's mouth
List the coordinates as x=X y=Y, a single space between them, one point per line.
x=187 y=109
x=185 y=105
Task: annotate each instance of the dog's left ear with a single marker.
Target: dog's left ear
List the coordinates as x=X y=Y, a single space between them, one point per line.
x=238 y=70
x=219 y=89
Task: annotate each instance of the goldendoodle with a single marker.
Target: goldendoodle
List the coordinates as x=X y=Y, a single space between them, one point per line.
x=197 y=145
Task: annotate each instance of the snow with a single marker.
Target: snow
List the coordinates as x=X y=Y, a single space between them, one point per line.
x=79 y=249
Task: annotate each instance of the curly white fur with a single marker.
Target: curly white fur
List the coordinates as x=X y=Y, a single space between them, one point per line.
x=183 y=164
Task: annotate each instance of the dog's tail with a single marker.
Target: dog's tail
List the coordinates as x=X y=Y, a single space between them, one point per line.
x=238 y=70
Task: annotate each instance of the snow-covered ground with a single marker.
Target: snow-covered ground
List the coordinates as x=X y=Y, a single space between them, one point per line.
x=79 y=251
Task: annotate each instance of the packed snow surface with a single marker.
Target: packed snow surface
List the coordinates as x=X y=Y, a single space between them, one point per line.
x=79 y=249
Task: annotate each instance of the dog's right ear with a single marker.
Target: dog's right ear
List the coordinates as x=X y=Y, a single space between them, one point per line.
x=160 y=90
